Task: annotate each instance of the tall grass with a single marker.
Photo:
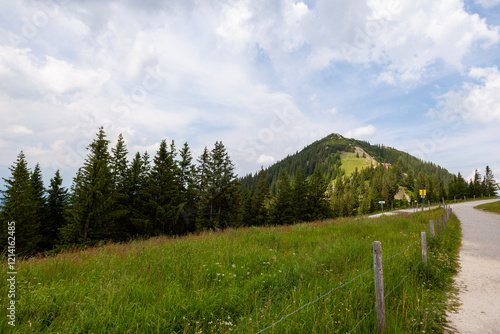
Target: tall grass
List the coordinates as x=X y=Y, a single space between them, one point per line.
x=241 y=281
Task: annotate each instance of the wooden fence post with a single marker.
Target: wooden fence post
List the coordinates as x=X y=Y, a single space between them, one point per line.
x=424 y=248
x=443 y=218
x=431 y=225
x=438 y=225
x=379 y=285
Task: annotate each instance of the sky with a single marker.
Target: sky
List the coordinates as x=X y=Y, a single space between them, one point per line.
x=265 y=77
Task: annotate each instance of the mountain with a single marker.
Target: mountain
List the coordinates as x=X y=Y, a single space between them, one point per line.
x=335 y=156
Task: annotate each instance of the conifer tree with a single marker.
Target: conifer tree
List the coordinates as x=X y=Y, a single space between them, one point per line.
x=119 y=170
x=203 y=194
x=137 y=196
x=282 y=210
x=118 y=164
x=219 y=198
x=38 y=192
x=490 y=185
x=247 y=199
x=187 y=191
x=256 y=212
x=260 y=201
x=475 y=185
x=92 y=214
x=57 y=202
x=301 y=207
x=225 y=189
x=21 y=206
x=164 y=190
x=318 y=206
x=461 y=187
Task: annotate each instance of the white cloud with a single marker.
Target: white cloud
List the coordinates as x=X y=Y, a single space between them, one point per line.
x=25 y=73
x=421 y=34
x=265 y=159
x=251 y=73
x=361 y=132
x=488 y=3
x=473 y=102
x=18 y=130
x=406 y=38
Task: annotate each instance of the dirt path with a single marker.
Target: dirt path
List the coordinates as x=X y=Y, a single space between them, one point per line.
x=479 y=277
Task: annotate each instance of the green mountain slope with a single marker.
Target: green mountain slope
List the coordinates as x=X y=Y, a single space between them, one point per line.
x=336 y=156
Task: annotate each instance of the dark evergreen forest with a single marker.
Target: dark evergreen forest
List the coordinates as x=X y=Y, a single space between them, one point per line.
x=113 y=199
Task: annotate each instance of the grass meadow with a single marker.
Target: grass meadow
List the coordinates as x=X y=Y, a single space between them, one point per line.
x=242 y=281
x=350 y=162
x=492 y=207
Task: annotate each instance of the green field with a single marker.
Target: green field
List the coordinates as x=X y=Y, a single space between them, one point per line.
x=492 y=207
x=242 y=281
x=350 y=162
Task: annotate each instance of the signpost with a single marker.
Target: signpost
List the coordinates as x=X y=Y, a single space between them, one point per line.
x=422 y=193
x=382 y=203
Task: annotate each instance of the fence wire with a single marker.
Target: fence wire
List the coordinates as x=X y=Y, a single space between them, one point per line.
x=413 y=244
x=387 y=295
x=314 y=301
x=342 y=285
x=366 y=316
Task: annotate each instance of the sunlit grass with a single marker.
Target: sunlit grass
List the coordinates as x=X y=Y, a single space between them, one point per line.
x=350 y=162
x=492 y=207
x=240 y=280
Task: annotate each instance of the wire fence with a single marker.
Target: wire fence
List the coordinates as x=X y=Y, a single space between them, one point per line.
x=347 y=283
x=314 y=301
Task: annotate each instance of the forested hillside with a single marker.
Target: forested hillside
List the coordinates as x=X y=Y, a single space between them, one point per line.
x=325 y=155
x=113 y=199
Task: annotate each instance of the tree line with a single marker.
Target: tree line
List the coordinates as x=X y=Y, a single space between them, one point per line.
x=113 y=199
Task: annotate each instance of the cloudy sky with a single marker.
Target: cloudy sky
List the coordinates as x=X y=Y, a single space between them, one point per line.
x=267 y=77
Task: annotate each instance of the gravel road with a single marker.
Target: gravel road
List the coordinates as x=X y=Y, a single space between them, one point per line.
x=479 y=276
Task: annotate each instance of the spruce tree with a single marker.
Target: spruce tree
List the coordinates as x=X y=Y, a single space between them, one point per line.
x=261 y=199
x=203 y=193
x=247 y=208
x=299 y=197
x=490 y=185
x=119 y=170
x=21 y=206
x=187 y=191
x=163 y=190
x=256 y=212
x=137 y=195
x=118 y=164
x=57 y=202
x=461 y=187
x=318 y=204
x=38 y=192
x=92 y=213
x=475 y=185
x=282 y=209
x=224 y=189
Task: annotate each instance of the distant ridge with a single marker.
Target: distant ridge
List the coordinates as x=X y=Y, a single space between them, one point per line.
x=328 y=155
